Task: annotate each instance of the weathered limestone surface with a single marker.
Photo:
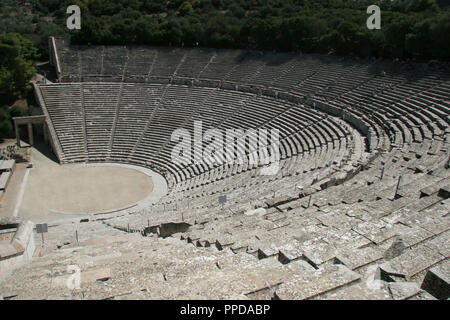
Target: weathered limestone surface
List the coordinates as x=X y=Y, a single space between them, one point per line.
x=310 y=285
x=358 y=210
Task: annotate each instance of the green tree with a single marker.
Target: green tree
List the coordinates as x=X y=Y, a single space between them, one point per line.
x=16 y=111
x=5 y=123
x=439 y=33
x=185 y=8
x=409 y=27
x=422 y=5
x=418 y=41
x=17 y=56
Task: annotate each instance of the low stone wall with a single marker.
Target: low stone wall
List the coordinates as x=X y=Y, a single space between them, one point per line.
x=358 y=123
x=54 y=59
x=20 y=249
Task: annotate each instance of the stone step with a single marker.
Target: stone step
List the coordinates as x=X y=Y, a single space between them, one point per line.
x=309 y=286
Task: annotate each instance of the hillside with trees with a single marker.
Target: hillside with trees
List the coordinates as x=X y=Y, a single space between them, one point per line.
x=410 y=28
x=17 y=57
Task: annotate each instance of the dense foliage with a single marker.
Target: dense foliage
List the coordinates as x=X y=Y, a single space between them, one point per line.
x=410 y=28
x=6 y=123
x=17 y=57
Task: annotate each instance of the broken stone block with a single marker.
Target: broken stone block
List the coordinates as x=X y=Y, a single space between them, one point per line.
x=403 y=290
x=444 y=192
x=300 y=267
x=386 y=273
x=437 y=282
x=381 y=275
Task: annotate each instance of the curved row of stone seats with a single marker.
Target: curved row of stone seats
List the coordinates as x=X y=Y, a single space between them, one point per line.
x=187 y=206
x=115 y=61
x=321 y=160
x=330 y=72
x=236 y=185
x=281 y=127
x=195 y=61
x=399 y=104
x=139 y=61
x=414 y=126
x=99 y=113
x=275 y=66
x=322 y=218
x=90 y=61
x=298 y=71
x=65 y=109
x=283 y=138
x=309 y=80
x=70 y=60
x=308 y=149
x=425 y=160
x=236 y=65
x=167 y=62
x=104 y=122
x=357 y=76
x=221 y=64
x=137 y=103
x=225 y=188
x=166 y=146
x=312 y=230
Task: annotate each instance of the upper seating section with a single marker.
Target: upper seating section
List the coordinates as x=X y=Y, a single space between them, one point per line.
x=133 y=123
x=326 y=77
x=168 y=88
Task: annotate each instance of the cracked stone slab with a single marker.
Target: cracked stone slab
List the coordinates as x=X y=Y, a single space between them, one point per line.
x=434 y=224
x=358 y=290
x=356 y=258
x=299 y=267
x=440 y=243
x=303 y=287
x=318 y=251
x=338 y=220
x=412 y=261
x=379 y=231
x=344 y=240
x=403 y=290
x=415 y=236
